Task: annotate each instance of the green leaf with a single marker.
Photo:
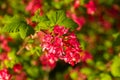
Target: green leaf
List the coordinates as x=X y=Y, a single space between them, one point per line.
x=38 y=18
x=117 y=41
x=33 y=71
x=48 y=21
x=115 y=67
x=69 y=23
x=105 y=76
x=86 y=71
x=42 y=25
x=26 y=30
x=74 y=75
x=59 y=18
x=18 y=24
x=100 y=65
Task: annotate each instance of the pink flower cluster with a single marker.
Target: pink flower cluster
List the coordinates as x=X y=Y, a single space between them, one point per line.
x=4 y=75
x=60 y=45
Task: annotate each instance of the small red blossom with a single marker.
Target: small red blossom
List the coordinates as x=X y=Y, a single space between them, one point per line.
x=4 y=43
x=91 y=8
x=4 y=46
x=58 y=42
x=48 y=61
x=17 y=68
x=72 y=39
x=21 y=76
x=47 y=38
x=60 y=30
x=28 y=20
x=4 y=75
x=3 y=56
x=76 y=4
x=86 y=56
x=113 y=11
x=105 y=23
x=72 y=56
x=33 y=6
x=79 y=20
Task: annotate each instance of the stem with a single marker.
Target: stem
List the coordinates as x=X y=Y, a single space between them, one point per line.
x=42 y=33
x=23 y=45
x=46 y=75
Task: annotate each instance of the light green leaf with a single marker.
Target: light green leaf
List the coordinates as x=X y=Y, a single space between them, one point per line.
x=115 y=67
x=86 y=71
x=100 y=65
x=42 y=25
x=59 y=18
x=38 y=18
x=74 y=75
x=48 y=21
x=105 y=76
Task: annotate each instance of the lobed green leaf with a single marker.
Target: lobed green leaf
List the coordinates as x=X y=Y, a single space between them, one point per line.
x=18 y=24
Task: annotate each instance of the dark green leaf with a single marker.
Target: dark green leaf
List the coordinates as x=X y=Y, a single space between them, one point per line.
x=117 y=41
x=69 y=23
x=18 y=24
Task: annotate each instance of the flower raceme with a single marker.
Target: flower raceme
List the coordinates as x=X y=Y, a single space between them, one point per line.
x=60 y=44
x=4 y=75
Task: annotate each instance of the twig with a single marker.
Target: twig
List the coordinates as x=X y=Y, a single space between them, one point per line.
x=23 y=46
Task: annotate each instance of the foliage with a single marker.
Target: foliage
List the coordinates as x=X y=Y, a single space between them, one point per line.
x=41 y=39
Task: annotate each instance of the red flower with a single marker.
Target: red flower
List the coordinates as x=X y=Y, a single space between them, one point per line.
x=4 y=46
x=21 y=76
x=3 y=56
x=106 y=24
x=33 y=6
x=47 y=38
x=79 y=20
x=86 y=56
x=17 y=68
x=48 y=61
x=4 y=75
x=91 y=8
x=72 y=56
x=72 y=40
x=29 y=21
x=60 y=30
x=76 y=3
